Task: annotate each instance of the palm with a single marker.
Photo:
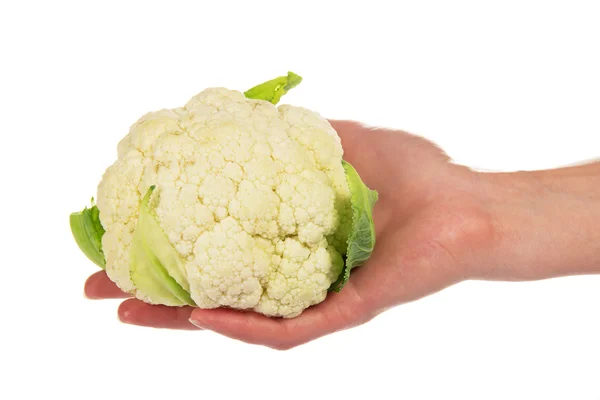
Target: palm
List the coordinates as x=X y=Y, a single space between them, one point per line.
x=425 y=220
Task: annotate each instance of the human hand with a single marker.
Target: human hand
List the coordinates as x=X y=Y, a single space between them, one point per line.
x=437 y=223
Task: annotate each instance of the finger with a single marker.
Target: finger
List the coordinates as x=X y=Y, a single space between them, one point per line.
x=136 y=312
x=339 y=311
x=99 y=286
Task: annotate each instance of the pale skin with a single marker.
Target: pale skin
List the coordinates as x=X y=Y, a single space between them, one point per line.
x=437 y=224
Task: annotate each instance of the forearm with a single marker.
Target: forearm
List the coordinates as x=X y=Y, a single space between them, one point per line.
x=546 y=223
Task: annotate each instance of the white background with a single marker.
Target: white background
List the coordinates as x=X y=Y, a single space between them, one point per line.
x=500 y=85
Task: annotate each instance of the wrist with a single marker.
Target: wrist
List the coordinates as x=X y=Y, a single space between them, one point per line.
x=545 y=223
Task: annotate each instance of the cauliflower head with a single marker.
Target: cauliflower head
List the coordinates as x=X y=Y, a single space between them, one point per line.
x=228 y=201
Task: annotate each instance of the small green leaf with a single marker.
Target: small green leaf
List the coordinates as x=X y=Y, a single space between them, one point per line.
x=87 y=231
x=155 y=266
x=361 y=240
x=275 y=88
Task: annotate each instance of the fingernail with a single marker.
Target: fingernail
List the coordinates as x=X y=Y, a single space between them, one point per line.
x=125 y=317
x=200 y=324
x=125 y=313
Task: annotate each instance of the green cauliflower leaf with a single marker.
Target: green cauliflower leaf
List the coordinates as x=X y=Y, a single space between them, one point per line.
x=156 y=268
x=361 y=240
x=275 y=88
x=87 y=231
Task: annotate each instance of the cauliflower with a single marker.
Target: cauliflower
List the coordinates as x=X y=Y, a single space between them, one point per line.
x=230 y=201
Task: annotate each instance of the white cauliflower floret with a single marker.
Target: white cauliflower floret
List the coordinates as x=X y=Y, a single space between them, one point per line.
x=252 y=197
